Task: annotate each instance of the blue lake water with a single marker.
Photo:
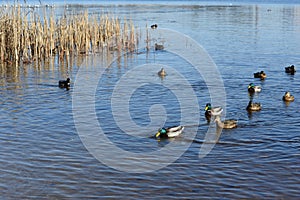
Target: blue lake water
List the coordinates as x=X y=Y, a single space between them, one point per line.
x=43 y=151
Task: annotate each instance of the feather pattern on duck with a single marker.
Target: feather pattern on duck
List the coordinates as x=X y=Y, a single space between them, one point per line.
x=253 y=106
x=226 y=124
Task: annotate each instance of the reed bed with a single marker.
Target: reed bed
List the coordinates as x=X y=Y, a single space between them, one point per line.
x=26 y=36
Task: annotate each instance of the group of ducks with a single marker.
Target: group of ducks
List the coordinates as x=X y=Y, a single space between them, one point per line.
x=210 y=111
x=215 y=112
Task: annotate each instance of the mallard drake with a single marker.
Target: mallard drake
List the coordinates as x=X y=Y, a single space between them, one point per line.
x=64 y=83
x=159 y=47
x=291 y=69
x=226 y=124
x=162 y=72
x=253 y=88
x=253 y=106
x=154 y=26
x=288 y=97
x=169 y=132
x=261 y=75
x=212 y=111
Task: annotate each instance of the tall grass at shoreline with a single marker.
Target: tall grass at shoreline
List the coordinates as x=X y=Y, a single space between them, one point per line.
x=26 y=36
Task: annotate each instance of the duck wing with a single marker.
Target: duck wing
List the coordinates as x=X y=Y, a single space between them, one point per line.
x=216 y=111
x=174 y=131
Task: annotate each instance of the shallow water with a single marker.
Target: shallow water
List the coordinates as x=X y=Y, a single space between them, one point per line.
x=42 y=155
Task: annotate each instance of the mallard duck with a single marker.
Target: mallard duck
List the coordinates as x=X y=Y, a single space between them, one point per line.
x=288 y=97
x=64 y=83
x=169 y=132
x=159 y=47
x=253 y=106
x=226 y=124
x=212 y=111
x=261 y=75
x=162 y=72
x=291 y=69
x=154 y=26
x=253 y=88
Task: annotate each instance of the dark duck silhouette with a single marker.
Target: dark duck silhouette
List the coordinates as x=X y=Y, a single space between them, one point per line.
x=290 y=70
x=154 y=26
x=159 y=47
x=261 y=75
x=64 y=84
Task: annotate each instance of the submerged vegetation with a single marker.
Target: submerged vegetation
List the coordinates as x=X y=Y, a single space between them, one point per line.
x=26 y=36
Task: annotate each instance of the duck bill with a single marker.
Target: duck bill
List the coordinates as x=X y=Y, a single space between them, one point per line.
x=206 y=108
x=157 y=134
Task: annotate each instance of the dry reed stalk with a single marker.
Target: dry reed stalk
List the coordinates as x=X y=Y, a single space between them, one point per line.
x=26 y=36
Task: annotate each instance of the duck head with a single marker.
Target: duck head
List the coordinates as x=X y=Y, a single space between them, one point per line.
x=161 y=132
x=251 y=85
x=208 y=107
x=287 y=94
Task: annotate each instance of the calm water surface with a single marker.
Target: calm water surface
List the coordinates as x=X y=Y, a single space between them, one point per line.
x=42 y=156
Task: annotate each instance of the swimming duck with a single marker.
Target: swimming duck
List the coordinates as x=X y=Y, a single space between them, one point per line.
x=253 y=88
x=288 y=97
x=159 y=47
x=261 y=75
x=226 y=124
x=162 y=72
x=154 y=26
x=212 y=111
x=64 y=83
x=169 y=132
x=291 y=69
x=253 y=106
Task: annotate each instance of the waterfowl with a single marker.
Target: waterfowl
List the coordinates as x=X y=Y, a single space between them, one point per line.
x=169 y=132
x=154 y=26
x=212 y=111
x=159 y=47
x=261 y=75
x=226 y=124
x=162 y=72
x=253 y=106
x=290 y=69
x=64 y=83
x=253 y=88
x=288 y=97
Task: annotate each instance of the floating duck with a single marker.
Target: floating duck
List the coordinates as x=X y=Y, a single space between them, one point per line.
x=159 y=47
x=253 y=88
x=226 y=124
x=212 y=111
x=154 y=26
x=64 y=83
x=261 y=75
x=288 y=97
x=291 y=70
x=169 y=132
x=253 y=106
x=162 y=72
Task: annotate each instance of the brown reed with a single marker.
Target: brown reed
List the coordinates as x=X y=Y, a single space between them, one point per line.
x=26 y=36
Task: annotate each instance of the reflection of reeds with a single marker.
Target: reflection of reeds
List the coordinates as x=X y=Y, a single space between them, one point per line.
x=26 y=36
